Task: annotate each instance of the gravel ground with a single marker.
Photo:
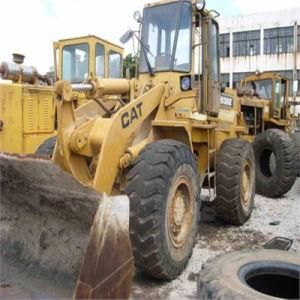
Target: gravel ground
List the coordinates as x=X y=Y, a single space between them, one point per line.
x=213 y=239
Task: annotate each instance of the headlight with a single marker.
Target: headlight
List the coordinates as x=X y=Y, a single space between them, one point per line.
x=186 y=83
x=200 y=4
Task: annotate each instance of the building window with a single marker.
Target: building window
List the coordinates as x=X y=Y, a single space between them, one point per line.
x=279 y=40
x=225 y=79
x=246 y=43
x=225 y=45
x=237 y=77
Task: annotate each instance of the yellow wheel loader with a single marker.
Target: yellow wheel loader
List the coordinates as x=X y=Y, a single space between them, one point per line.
x=27 y=105
x=159 y=139
x=264 y=99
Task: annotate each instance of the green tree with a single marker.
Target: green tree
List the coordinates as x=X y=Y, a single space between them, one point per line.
x=130 y=63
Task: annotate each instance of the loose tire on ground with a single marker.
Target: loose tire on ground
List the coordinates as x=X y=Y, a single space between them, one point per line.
x=163 y=187
x=235 y=182
x=250 y=275
x=296 y=137
x=47 y=148
x=274 y=178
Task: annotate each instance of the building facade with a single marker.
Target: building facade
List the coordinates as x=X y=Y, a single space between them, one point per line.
x=260 y=42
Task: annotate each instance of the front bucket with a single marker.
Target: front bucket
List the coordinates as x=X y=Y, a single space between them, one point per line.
x=51 y=222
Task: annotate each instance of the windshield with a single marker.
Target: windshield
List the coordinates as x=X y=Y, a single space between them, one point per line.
x=160 y=34
x=75 y=66
x=262 y=87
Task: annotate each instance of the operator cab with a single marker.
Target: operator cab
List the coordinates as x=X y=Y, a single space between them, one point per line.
x=176 y=39
x=273 y=87
x=79 y=58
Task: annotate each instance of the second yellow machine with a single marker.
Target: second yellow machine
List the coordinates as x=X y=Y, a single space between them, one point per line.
x=28 y=120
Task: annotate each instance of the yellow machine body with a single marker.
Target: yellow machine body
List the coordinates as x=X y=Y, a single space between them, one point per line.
x=28 y=110
x=177 y=107
x=272 y=98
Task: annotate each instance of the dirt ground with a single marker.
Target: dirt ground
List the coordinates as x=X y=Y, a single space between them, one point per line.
x=213 y=239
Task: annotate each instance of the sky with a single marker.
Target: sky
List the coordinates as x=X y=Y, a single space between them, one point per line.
x=30 y=26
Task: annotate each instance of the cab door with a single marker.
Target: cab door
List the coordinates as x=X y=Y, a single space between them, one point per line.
x=277 y=105
x=211 y=68
x=214 y=74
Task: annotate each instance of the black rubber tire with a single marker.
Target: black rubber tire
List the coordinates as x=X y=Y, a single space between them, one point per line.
x=296 y=137
x=47 y=148
x=232 y=159
x=228 y=276
x=149 y=188
x=274 y=184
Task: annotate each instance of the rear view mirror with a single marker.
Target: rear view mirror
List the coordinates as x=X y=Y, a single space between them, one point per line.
x=126 y=36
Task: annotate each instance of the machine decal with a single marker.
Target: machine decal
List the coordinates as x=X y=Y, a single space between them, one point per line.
x=227 y=101
x=129 y=117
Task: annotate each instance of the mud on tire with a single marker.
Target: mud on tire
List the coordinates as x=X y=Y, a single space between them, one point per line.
x=275 y=158
x=235 y=182
x=163 y=187
x=250 y=275
x=47 y=147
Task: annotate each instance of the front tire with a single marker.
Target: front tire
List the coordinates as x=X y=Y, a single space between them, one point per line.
x=163 y=187
x=235 y=182
x=275 y=158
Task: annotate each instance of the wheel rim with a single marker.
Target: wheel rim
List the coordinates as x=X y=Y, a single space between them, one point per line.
x=180 y=212
x=247 y=183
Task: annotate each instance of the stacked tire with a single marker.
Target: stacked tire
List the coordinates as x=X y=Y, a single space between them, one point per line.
x=251 y=275
x=276 y=163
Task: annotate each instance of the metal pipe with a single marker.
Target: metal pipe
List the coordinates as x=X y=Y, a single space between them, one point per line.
x=82 y=87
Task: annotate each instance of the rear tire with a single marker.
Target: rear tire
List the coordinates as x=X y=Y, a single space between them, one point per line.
x=163 y=187
x=47 y=148
x=235 y=182
x=250 y=275
x=296 y=137
x=274 y=177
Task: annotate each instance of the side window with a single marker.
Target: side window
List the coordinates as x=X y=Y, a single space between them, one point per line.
x=75 y=66
x=214 y=52
x=277 y=104
x=100 y=55
x=115 y=64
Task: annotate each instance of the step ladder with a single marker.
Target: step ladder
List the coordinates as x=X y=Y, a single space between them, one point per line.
x=211 y=165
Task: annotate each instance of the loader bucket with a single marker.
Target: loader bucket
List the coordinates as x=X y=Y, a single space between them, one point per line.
x=53 y=224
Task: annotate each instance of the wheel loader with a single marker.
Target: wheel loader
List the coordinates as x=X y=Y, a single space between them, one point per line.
x=27 y=105
x=264 y=100
x=170 y=134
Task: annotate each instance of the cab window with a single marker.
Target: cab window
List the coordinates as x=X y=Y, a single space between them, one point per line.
x=263 y=88
x=115 y=64
x=75 y=64
x=100 y=55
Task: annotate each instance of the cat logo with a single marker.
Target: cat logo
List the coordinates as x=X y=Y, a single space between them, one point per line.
x=129 y=117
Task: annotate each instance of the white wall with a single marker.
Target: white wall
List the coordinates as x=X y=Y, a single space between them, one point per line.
x=260 y=62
